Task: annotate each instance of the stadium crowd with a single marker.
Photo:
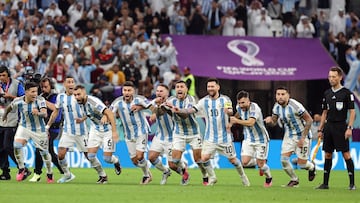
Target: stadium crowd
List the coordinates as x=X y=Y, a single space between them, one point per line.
x=103 y=43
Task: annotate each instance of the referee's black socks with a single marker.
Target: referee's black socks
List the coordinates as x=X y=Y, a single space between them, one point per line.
x=350 y=168
x=327 y=169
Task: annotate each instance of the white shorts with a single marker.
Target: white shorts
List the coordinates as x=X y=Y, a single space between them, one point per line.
x=69 y=140
x=180 y=141
x=101 y=139
x=290 y=145
x=40 y=139
x=139 y=144
x=163 y=147
x=226 y=149
x=257 y=150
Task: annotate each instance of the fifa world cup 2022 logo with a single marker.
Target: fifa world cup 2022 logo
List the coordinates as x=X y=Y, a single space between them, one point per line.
x=247 y=57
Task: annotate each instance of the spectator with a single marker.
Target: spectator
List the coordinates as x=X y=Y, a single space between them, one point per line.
x=338 y=23
x=115 y=76
x=168 y=54
x=305 y=29
x=228 y=22
x=239 y=29
x=262 y=24
x=214 y=19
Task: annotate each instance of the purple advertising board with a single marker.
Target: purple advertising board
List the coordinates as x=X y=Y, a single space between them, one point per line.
x=253 y=58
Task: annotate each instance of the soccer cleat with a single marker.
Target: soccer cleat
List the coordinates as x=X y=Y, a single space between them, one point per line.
x=5 y=176
x=245 y=180
x=50 y=178
x=293 y=183
x=65 y=179
x=312 y=174
x=322 y=187
x=212 y=181
x=185 y=176
x=205 y=181
x=261 y=172
x=117 y=168
x=36 y=178
x=102 y=180
x=23 y=174
x=165 y=177
x=146 y=179
x=352 y=187
x=268 y=182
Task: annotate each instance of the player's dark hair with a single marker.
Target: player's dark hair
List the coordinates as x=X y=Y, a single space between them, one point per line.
x=79 y=87
x=128 y=84
x=30 y=84
x=242 y=94
x=212 y=80
x=163 y=85
x=180 y=81
x=282 y=88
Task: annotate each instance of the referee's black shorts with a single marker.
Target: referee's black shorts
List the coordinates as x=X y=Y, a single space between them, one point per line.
x=334 y=137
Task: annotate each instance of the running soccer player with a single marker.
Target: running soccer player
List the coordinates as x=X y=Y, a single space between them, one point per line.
x=101 y=134
x=256 y=137
x=32 y=110
x=186 y=131
x=297 y=137
x=74 y=133
x=218 y=137
x=129 y=108
x=162 y=142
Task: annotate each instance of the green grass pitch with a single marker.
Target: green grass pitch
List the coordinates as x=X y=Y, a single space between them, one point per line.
x=126 y=188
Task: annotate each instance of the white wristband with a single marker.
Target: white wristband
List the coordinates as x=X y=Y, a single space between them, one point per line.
x=47 y=127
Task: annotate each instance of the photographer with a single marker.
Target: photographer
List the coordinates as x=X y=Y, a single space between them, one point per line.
x=9 y=89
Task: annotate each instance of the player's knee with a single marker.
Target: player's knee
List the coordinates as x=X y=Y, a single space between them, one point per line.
x=154 y=161
x=17 y=145
x=302 y=166
x=176 y=161
x=284 y=160
x=44 y=153
x=235 y=162
x=107 y=159
x=91 y=156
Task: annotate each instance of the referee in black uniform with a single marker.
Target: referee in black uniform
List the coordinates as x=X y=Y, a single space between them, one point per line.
x=333 y=128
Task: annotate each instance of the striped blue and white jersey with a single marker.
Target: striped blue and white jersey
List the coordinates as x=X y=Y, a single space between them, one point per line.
x=258 y=132
x=215 y=118
x=290 y=117
x=71 y=110
x=188 y=126
x=134 y=123
x=27 y=118
x=164 y=126
x=94 y=109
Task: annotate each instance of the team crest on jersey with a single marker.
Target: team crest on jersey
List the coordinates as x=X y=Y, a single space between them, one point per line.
x=99 y=107
x=339 y=105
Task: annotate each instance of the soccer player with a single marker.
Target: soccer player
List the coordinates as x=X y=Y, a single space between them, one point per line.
x=32 y=110
x=162 y=142
x=74 y=127
x=218 y=137
x=129 y=108
x=10 y=89
x=337 y=103
x=186 y=131
x=297 y=137
x=101 y=134
x=49 y=93
x=256 y=137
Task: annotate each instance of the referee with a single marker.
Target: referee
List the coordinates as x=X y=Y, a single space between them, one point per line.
x=333 y=128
